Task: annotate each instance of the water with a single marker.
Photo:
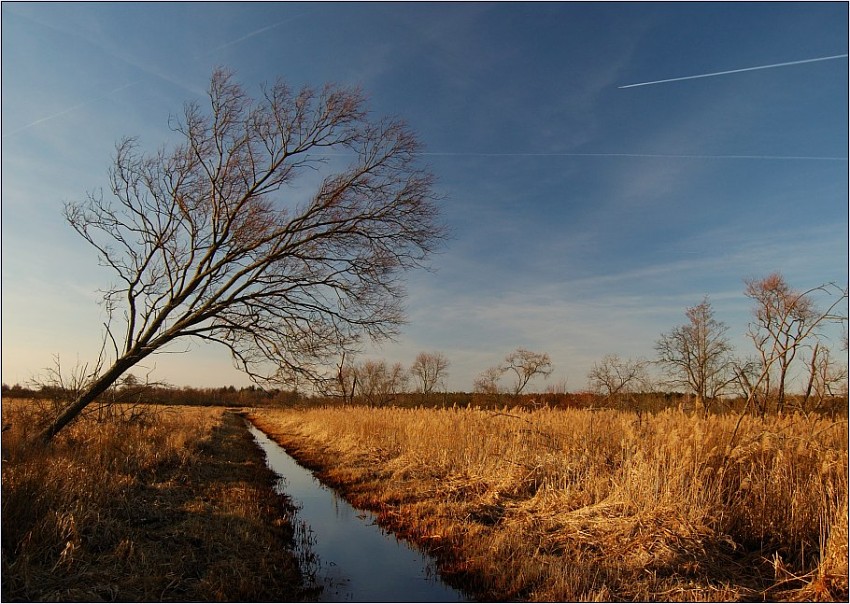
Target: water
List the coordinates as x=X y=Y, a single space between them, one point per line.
x=350 y=556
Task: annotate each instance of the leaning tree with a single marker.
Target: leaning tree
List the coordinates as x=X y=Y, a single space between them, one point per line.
x=215 y=239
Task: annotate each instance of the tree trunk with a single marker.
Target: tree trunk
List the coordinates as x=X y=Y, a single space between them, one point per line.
x=812 y=373
x=780 y=395
x=97 y=388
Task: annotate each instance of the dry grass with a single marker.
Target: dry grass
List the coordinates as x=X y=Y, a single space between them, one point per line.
x=175 y=505
x=580 y=505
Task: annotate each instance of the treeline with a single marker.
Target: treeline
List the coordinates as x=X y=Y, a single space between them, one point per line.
x=794 y=369
x=253 y=396
x=249 y=396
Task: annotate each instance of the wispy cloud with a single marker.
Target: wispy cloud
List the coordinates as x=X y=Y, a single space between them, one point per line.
x=116 y=53
x=67 y=110
x=731 y=251
x=578 y=320
x=148 y=69
x=730 y=71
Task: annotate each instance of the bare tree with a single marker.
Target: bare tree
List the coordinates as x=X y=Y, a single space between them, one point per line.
x=345 y=384
x=205 y=244
x=787 y=321
x=698 y=354
x=379 y=383
x=612 y=376
x=429 y=368
x=487 y=381
x=525 y=364
x=59 y=386
x=746 y=374
x=827 y=378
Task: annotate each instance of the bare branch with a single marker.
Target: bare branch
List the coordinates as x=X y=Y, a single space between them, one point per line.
x=429 y=369
x=698 y=354
x=208 y=239
x=785 y=323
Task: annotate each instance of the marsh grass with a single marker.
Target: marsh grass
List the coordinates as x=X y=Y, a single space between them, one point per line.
x=173 y=505
x=564 y=505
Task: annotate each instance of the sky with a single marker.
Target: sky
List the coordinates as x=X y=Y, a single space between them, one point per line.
x=586 y=213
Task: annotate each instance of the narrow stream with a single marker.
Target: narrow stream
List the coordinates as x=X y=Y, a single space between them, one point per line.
x=351 y=557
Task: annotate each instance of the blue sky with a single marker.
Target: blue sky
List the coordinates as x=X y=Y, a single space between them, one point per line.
x=586 y=217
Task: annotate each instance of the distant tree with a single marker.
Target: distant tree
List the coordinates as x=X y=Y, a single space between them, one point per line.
x=129 y=381
x=612 y=376
x=827 y=378
x=786 y=322
x=525 y=364
x=203 y=243
x=559 y=387
x=379 y=383
x=697 y=355
x=487 y=381
x=345 y=384
x=428 y=369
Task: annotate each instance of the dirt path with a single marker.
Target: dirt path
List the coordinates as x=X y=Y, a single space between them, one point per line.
x=200 y=522
x=231 y=538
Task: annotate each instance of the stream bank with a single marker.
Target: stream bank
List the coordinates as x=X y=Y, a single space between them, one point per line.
x=343 y=550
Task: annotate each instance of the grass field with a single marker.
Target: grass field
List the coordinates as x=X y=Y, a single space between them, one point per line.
x=565 y=505
x=555 y=505
x=174 y=506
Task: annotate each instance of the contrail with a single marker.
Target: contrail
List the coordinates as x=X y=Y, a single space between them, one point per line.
x=69 y=109
x=717 y=73
x=251 y=35
x=650 y=155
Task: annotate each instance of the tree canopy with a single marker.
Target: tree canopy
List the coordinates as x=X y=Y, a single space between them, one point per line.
x=212 y=239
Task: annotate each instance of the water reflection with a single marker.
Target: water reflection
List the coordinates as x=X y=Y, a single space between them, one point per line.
x=351 y=557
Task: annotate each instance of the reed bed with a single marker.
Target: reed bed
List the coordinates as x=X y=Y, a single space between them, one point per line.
x=163 y=504
x=566 y=505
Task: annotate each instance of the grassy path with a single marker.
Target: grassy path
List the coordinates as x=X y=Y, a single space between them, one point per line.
x=177 y=510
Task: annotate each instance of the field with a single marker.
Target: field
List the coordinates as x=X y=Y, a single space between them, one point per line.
x=565 y=505
x=174 y=505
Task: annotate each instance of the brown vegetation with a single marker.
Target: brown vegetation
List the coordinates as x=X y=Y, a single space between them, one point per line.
x=571 y=504
x=174 y=505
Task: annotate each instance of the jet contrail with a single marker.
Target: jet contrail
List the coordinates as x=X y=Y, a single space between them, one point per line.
x=717 y=73
x=251 y=35
x=69 y=109
x=649 y=155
